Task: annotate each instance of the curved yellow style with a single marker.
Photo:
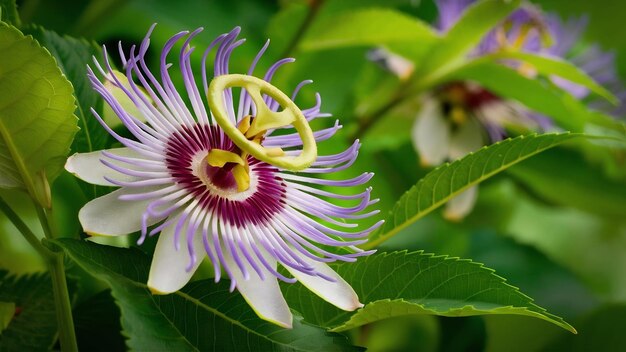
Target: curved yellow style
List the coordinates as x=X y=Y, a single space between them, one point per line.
x=265 y=119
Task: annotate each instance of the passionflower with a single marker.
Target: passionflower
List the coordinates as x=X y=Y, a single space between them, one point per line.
x=460 y=117
x=225 y=169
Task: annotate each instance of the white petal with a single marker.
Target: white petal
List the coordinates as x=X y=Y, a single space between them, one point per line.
x=264 y=296
x=168 y=271
x=468 y=138
x=89 y=168
x=109 y=216
x=431 y=134
x=458 y=207
x=338 y=293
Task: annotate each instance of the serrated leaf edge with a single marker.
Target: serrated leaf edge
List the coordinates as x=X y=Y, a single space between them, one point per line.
x=377 y=237
x=542 y=313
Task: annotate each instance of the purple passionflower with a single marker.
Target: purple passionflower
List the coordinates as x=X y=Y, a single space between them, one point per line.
x=215 y=180
x=461 y=117
x=529 y=29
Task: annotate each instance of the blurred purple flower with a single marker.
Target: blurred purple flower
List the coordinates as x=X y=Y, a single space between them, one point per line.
x=461 y=117
x=203 y=190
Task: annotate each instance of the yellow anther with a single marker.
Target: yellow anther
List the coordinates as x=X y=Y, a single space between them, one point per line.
x=242 y=177
x=523 y=35
x=219 y=158
x=244 y=125
x=241 y=172
x=458 y=115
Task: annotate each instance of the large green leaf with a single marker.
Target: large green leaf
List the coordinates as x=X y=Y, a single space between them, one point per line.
x=36 y=115
x=450 y=179
x=34 y=327
x=203 y=316
x=477 y=20
x=401 y=283
x=371 y=26
x=72 y=56
x=555 y=66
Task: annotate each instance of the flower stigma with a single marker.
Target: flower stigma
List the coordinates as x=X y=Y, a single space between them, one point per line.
x=249 y=133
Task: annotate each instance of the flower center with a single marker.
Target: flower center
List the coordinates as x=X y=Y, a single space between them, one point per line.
x=462 y=99
x=237 y=161
x=216 y=188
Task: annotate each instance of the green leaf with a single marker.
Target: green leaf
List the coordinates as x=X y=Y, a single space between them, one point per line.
x=509 y=83
x=72 y=56
x=448 y=180
x=400 y=283
x=477 y=20
x=97 y=322
x=555 y=66
x=8 y=12
x=36 y=115
x=562 y=177
x=34 y=326
x=202 y=316
x=367 y=27
x=7 y=311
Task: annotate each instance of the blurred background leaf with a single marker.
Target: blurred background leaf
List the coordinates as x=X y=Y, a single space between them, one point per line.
x=8 y=12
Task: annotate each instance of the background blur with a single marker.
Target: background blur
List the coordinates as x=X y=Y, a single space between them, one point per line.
x=545 y=228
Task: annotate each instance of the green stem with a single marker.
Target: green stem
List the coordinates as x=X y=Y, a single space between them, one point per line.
x=24 y=230
x=54 y=261
x=67 y=336
x=43 y=219
x=365 y=122
x=308 y=20
x=411 y=87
